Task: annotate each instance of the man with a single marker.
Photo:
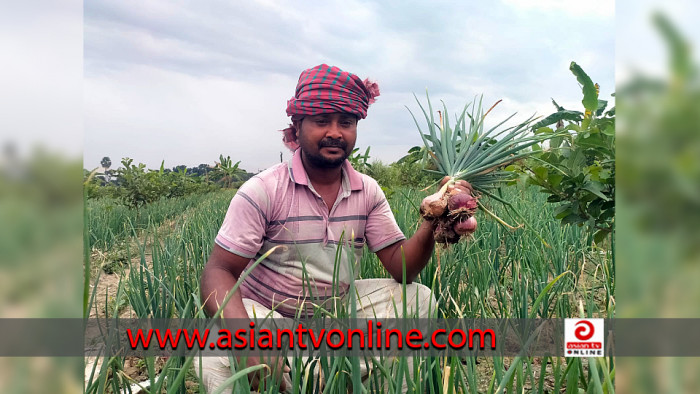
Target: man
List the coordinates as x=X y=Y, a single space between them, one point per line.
x=309 y=208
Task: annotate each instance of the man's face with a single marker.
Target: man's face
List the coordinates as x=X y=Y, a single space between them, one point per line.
x=326 y=140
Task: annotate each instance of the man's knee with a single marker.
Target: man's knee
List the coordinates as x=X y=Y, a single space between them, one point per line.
x=212 y=371
x=384 y=298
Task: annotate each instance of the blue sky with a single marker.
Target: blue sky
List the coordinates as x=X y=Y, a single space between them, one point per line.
x=186 y=81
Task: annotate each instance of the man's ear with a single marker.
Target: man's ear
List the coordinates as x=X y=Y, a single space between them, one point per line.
x=297 y=126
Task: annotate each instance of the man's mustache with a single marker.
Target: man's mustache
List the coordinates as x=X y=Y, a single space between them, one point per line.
x=333 y=144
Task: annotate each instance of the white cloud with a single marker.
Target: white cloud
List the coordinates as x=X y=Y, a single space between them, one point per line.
x=197 y=118
x=572 y=8
x=41 y=76
x=164 y=75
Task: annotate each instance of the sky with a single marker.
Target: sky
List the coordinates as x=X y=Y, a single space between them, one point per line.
x=41 y=79
x=640 y=49
x=187 y=81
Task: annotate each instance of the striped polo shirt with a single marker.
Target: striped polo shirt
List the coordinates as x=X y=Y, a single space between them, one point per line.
x=279 y=206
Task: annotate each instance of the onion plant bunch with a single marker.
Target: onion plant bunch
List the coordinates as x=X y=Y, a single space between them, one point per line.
x=469 y=151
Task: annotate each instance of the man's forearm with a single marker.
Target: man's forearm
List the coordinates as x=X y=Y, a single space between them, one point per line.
x=215 y=285
x=416 y=250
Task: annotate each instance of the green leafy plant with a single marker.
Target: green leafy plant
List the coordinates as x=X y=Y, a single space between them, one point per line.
x=139 y=186
x=417 y=154
x=227 y=172
x=577 y=169
x=360 y=162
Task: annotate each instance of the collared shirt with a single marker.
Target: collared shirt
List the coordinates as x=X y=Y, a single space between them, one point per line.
x=279 y=207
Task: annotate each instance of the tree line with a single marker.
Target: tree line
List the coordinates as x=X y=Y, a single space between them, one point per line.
x=135 y=185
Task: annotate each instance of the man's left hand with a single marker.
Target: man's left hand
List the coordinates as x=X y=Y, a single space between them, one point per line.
x=462 y=187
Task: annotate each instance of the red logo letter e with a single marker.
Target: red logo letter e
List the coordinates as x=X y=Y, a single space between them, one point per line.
x=581 y=332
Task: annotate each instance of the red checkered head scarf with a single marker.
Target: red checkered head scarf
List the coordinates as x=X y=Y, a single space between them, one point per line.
x=325 y=89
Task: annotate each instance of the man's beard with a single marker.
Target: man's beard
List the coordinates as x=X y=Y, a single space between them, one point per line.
x=319 y=161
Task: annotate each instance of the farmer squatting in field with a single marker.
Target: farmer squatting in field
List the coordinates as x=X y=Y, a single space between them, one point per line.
x=306 y=205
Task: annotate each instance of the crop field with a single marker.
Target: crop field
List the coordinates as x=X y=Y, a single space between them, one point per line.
x=146 y=262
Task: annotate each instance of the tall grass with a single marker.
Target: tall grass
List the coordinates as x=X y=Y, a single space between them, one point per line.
x=544 y=271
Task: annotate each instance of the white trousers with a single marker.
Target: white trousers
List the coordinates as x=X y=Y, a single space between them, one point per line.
x=376 y=298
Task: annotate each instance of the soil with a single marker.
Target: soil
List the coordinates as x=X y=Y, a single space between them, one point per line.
x=108 y=287
x=106 y=298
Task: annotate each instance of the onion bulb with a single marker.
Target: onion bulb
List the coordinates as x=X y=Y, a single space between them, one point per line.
x=465 y=227
x=451 y=211
x=433 y=206
x=459 y=202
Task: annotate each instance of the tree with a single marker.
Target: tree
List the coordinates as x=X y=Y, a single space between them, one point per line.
x=106 y=162
x=139 y=186
x=228 y=171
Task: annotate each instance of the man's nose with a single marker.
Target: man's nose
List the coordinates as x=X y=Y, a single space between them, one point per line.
x=333 y=131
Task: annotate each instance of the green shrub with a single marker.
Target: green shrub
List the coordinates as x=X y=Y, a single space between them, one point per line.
x=399 y=175
x=577 y=170
x=139 y=186
x=135 y=186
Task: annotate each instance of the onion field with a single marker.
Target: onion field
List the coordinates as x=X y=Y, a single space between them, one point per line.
x=146 y=262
